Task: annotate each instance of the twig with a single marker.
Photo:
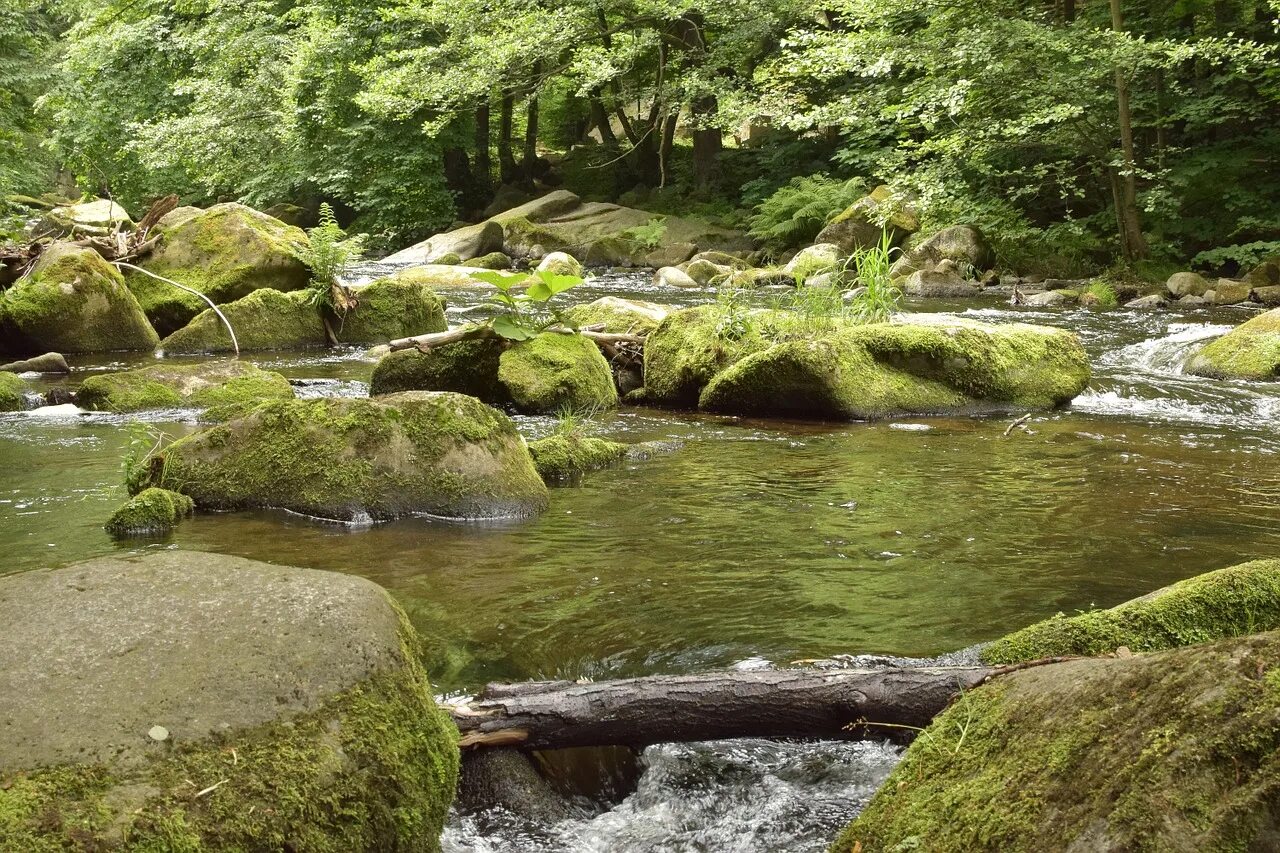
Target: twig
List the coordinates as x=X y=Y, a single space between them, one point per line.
x=209 y=790
x=1019 y=422
x=234 y=343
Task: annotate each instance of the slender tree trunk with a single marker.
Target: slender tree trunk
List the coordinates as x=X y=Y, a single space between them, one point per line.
x=506 y=157
x=707 y=145
x=1132 y=243
x=531 y=129
x=600 y=119
x=484 y=162
x=664 y=150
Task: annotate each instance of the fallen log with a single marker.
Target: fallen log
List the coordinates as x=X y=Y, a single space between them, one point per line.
x=848 y=704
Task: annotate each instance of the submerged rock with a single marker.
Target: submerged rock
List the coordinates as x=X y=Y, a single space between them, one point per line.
x=73 y=301
x=1250 y=351
x=351 y=459
x=1174 y=750
x=266 y=319
x=921 y=364
x=1240 y=600
x=12 y=392
x=227 y=385
x=553 y=372
x=397 y=306
x=50 y=362
x=151 y=511
x=620 y=316
x=563 y=456
x=226 y=253
x=190 y=701
x=858 y=226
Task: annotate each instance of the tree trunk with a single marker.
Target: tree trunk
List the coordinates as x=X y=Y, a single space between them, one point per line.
x=841 y=704
x=528 y=166
x=506 y=157
x=484 y=162
x=600 y=119
x=664 y=152
x=707 y=144
x=1132 y=243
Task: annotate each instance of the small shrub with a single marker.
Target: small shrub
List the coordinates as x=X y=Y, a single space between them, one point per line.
x=525 y=315
x=648 y=236
x=876 y=298
x=328 y=252
x=795 y=213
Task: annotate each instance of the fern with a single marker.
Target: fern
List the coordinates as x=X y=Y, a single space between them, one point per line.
x=795 y=213
x=328 y=252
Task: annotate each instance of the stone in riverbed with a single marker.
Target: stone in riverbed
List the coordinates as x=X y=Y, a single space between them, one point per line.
x=560 y=263
x=1153 y=300
x=182 y=700
x=1250 y=351
x=1174 y=750
x=943 y=282
x=50 y=362
x=1187 y=284
x=704 y=272
x=620 y=316
x=229 y=385
x=398 y=306
x=1265 y=274
x=12 y=392
x=266 y=319
x=151 y=511
x=858 y=227
x=561 y=456
x=673 y=277
x=72 y=301
x=466 y=367
x=960 y=244
x=348 y=459
x=555 y=372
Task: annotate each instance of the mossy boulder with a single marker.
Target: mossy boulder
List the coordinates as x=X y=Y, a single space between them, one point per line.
x=73 y=301
x=859 y=225
x=813 y=260
x=964 y=245
x=228 y=385
x=565 y=456
x=1227 y=603
x=557 y=371
x=491 y=261
x=1175 y=750
x=151 y=511
x=1250 y=351
x=190 y=701
x=922 y=365
x=12 y=391
x=466 y=367
x=1182 y=284
x=415 y=452
x=226 y=253
x=620 y=316
x=264 y=320
x=397 y=306
x=1265 y=274
x=560 y=263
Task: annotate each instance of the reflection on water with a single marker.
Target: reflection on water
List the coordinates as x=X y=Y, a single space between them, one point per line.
x=760 y=539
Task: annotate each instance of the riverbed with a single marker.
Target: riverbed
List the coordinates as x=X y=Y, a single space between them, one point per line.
x=741 y=542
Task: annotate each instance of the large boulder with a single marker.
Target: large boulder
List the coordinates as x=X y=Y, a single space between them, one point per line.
x=227 y=385
x=13 y=392
x=560 y=263
x=1175 y=750
x=226 y=253
x=50 y=362
x=922 y=364
x=348 y=459
x=1182 y=284
x=397 y=306
x=466 y=367
x=99 y=216
x=963 y=245
x=189 y=701
x=1265 y=274
x=1239 y=600
x=555 y=372
x=264 y=320
x=620 y=316
x=859 y=225
x=813 y=260
x=73 y=301
x=1250 y=351
x=471 y=241
x=943 y=281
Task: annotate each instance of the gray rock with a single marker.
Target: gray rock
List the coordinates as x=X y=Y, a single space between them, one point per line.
x=942 y=282
x=670 y=255
x=959 y=243
x=1148 y=302
x=1228 y=292
x=705 y=272
x=1187 y=284
x=50 y=362
x=859 y=226
x=1065 y=284
x=1193 y=300
x=1269 y=296
x=1265 y=274
x=473 y=241
x=560 y=263
x=1050 y=298
x=673 y=277
x=818 y=257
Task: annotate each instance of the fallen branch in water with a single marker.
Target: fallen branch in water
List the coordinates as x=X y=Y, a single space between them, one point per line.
x=1019 y=422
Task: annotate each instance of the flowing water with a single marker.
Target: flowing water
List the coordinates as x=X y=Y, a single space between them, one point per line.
x=743 y=542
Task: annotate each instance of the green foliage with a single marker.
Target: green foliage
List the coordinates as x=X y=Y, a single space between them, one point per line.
x=794 y=214
x=735 y=321
x=145 y=443
x=328 y=253
x=1104 y=293
x=1243 y=257
x=26 y=49
x=876 y=298
x=522 y=316
x=648 y=236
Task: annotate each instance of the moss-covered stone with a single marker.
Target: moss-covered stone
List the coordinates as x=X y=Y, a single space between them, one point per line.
x=150 y=511
x=859 y=225
x=491 y=261
x=557 y=371
x=1175 y=750
x=1250 y=351
x=560 y=263
x=325 y=739
x=564 y=456
x=264 y=320
x=351 y=459
x=1230 y=602
x=620 y=316
x=467 y=367
x=229 y=385
x=397 y=306
x=687 y=350
x=226 y=253
x=73 y=301
x=12 y=389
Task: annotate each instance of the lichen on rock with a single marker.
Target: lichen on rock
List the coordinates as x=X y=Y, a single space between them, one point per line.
x=398 y=306
x=555 y=371
x=565 y=456
x=228 y=385
x=266 y=319
x=347 y=459
x=151 y=511
x=73 y=301
x=1250 y=351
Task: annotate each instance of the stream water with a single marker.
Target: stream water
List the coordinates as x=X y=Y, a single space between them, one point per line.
x=748 y=541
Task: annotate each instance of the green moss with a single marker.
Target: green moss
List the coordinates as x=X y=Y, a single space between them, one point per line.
x=226 y=253
x=397 y=306
x=491 y=261
x=264 y=320
x=1250 y=351
x=1227 y=603
x=1171 y=751
x=467 y=367
x=685 y=353
x=73 y=301
x=449 y=260
x=557 y=371
x=619 y=316
x=437 y=453
x=561 y=456
x=373 y=769
x=12 y=389
x=561 y=263
x=227 y=384
x=150 y=511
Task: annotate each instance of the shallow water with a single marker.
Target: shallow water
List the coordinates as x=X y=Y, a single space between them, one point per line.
x=752 y=539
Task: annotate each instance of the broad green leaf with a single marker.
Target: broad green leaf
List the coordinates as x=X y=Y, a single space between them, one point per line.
x=512 y=329
x=504 y=281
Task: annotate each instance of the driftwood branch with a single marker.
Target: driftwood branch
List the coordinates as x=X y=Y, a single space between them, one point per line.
x=223 y=317
x=467 y=333
x=839 y=704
